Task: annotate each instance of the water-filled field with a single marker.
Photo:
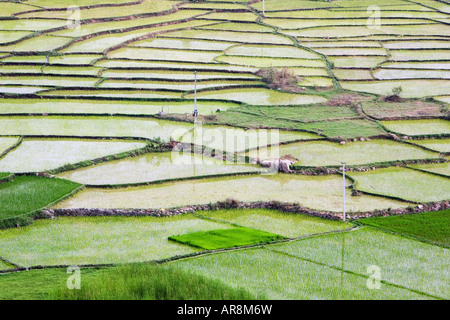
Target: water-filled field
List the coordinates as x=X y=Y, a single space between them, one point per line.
x=123 y=108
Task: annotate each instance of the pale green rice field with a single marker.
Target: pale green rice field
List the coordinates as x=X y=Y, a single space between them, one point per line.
x=102 y=112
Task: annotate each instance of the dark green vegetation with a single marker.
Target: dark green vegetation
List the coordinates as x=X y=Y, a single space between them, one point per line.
x=20 y=198
x=332 y=122
x=131 y=282
x=152 y=282
x=4 y=176
x=426 y=226
x=226 y=238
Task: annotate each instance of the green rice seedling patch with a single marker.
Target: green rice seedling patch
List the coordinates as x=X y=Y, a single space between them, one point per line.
x=393 y=74
x=233 y=140
x=128 y=64
x=433 y=29
x=10 y=36
x=42 y=43
x=283 y=223
x=313 y=23
x=123 y=282
x=63 y=4
x=416 y=108
x=10 y=8
x=441 y=145
x=403 y=183
x=107 y=107
x=419 y=127
x=430 y=44
x=443 y=7
x=352 y=51
x=271 y=51
x=30 y=24
x=413 y=88
x=96 y=240
x=108 y=93
x=44 y=80
x=260 y=96
x=174 y=75
x=6 y=143
x=325 y=153
x=351 y=14
x=38 y=155
x=141 y=23
x=225 y=238
x=93 y=127
x=146 y=6
x=21 y=90
x=279 y=276
x=316 y=82
x=78 y=59
x=334 y=32
x=74 y=59
x=305 y=114
x=153 y=167
x=230 y=16
x=27 y=194
x=212 y=5
x=184 y=44
x=273 y=5
x=151 y=282
x=261 y=62
x=412 y=264
x=320 y=193
x=439 y=168
x=417 y=55
x=308 y=71
x=178 y=85
x=342 y=44
x=245 y=37
x=341 y=129
x=165 y=55
x=236 y=26
x=102 y=43
x=429 y=226
x=17 y=69
x=353 y=74
x=346 y=4
x=437 y=65
x=356 y=61
x=73 y=70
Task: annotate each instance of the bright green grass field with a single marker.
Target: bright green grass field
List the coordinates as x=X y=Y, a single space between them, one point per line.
x=226 y=238
x=439 y=168
x=133 y=282
x=279 y=276
x=29 y=193
x=94 y=240
x=428 y=226
x=403 y=183
x=283 y=223
x=409 y=263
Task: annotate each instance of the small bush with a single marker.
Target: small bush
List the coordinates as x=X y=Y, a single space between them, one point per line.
x=283 y=79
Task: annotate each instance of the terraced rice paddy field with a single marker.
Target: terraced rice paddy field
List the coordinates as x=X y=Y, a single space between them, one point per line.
x=103 y=165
